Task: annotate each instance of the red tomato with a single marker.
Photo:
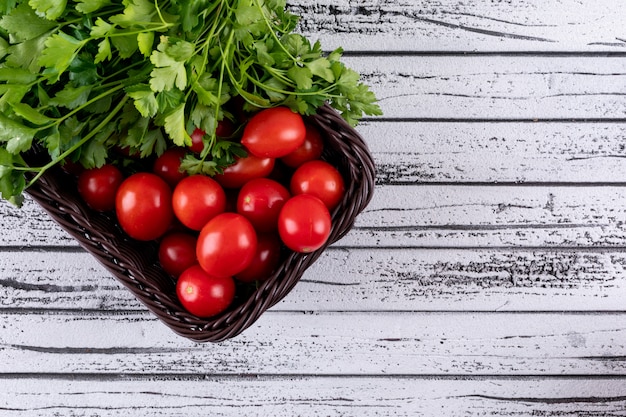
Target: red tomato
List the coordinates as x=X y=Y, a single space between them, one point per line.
x=304 y=223
x=265 y=261
x=260 y=201
x=177 y=252
x=143 y=205
x=197 y=199
x=310 y=150
x=274 y=132
x=226 y=245
x=98 y=186
x=321 y=179
x=167 y=166
x=197 y=145
x=243 y=170
x=225 y=128
x=202 y=294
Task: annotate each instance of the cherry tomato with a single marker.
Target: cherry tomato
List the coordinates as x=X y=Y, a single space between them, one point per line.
x=98 y=186
x=304 y=223
x=243 y=170
x=265 y=260
x=321 y=179
x=197 y=199
x=143 y=205
x=225 y=128
x=260 y=201
x=167 y=166
x=274 y=132
x=177 y=252
x=226 y=244
x=310 y=150
x=202 y=294
x=197 y=145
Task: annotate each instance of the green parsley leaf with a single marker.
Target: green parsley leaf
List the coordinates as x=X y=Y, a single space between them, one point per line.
x=126 y=45
x=169 y=61
x=4 y=48
x=23 y=24
x=153 y=143
x=101 y=28
x=175 y=126
x=16 y=76
x=72 y=97
x=7 y=5
x=60 y=51
x=52 y=9
x=145 y=41
x=145 y=100
x=28 y=113
x=17 y=136
x=12 y=182
x=90 y=6
x=135 y=13
x=320 y=67
x=302 y=76
x=104 y=51
x=26 y=54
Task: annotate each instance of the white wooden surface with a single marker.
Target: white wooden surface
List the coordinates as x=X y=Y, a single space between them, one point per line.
x=487 y=277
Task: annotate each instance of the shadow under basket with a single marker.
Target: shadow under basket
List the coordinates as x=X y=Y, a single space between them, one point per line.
x=135 y=264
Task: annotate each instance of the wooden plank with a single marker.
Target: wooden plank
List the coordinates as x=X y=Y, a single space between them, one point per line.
x=362 y=280
x=312 y=396
x=321 y=344
x=453 y=25
x=432 y=216
x=414 y=152
x=482 y=216
x=495 y=87
x=29 y=225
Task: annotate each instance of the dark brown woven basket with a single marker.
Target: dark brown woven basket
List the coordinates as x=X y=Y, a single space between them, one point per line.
x=134 y=263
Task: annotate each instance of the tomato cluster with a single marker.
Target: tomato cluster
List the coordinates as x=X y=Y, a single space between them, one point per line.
x=234 y=227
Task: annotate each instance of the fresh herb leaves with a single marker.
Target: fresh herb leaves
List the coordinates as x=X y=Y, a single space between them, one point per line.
x=78 y=78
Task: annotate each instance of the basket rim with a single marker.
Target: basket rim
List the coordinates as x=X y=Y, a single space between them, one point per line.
x=132 y=262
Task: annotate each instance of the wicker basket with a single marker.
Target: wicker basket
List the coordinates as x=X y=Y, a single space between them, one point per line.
x=134 y=263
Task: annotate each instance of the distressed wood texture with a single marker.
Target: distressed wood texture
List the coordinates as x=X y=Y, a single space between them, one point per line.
x=486 y=277
x=333 y=343
x=496 y=87
x=453 y=25
x=176 y=396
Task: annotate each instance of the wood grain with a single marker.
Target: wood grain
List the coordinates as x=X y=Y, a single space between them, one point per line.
x=357 y=343
x=177 y=396
x=453 y=25
x=496 y=87
x=492 y=151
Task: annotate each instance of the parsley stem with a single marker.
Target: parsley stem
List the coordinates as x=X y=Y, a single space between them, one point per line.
x=81 y=142
x=272 y=29
x=61 y=119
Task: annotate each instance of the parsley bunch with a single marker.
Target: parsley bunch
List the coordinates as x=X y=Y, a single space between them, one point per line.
x=80 y=77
